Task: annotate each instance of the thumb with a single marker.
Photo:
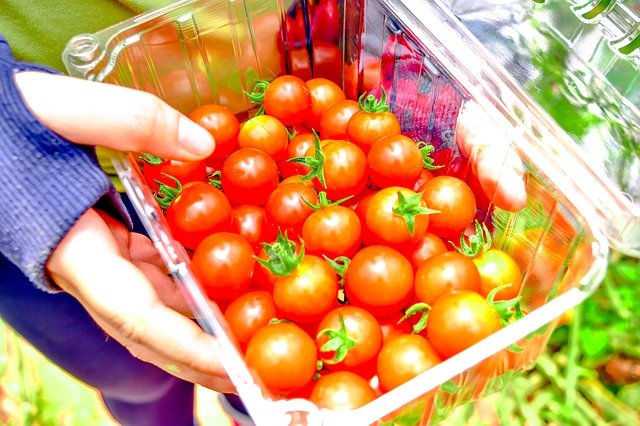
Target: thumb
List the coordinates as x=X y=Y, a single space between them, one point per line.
x=90 y=113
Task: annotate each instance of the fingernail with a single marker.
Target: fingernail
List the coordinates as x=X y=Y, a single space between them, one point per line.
x=195 y=139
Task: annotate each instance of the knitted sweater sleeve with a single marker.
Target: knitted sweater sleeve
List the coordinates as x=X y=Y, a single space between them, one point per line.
x=46 y=182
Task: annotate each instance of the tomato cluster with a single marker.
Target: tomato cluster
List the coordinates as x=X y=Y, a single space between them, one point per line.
x=322 y=233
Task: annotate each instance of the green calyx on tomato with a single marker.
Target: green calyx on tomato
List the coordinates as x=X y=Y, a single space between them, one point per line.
x=166 y=194
x=507 y=310
x=282 y=256
x=417 y=308
x=478 y=243
x=315 y=163
x=323 y=201
x=427 y=161
x=409 y=208
x=339 y=342
x=257 y=96
x=152 y=160
x=371 y=104
x=339 y=264
x=215 y=179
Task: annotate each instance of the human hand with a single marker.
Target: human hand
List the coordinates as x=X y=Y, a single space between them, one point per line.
x=498 y=167
x=117 y=275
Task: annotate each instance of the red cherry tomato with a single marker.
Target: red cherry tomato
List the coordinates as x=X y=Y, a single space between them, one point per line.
x=324 y=93
x=334 y=119
x=395 y=160
x=283 y=356
x=342 y=390
x=223 y=263
x=403 y=358
x=249 y=313
x=266 y=133
x=251 y=222
x=443 y=273
x=198 y=211
x=332 y=231
x=223 y=125
x=455 y=201
x=288 y=99
x=249 y=176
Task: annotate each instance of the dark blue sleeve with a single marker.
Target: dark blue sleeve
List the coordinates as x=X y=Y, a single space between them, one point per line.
x=46 y=182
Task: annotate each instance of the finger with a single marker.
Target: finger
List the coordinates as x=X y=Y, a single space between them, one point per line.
x=166 y=288
x=142 y=249
x=123 y=302
x=124 y=119
x=498 y=167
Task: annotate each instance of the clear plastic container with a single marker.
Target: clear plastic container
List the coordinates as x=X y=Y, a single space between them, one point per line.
x=196 y=52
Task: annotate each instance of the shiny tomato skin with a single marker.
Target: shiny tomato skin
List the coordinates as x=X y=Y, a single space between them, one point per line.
x=368 y=237
x=403 y=358
x=395 y=160
x=308 y=293
x=251 y=222
x=223 y=263
x=334 y=119
x=458 y=320
x=198 y=211
x=223 y=125
x=332 y=231
x=284 y=357
x=249 y=176
x=443 y=273
x=363 y=329
x=249 y=313
x=184 y=171
x=365 y=128
x=342 y=390
x=424 y=248
x=455 y=201
x=286 y=208
x=324 y=93
x=379 y=279
x=497 y=268
x=266 y=133
x=297 y=147
x=288 y=99
x=389 y=227
x=345 y=170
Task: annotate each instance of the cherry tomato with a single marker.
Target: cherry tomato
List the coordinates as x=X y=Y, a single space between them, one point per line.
x=198 y=211
x=334 y=119
x=288 y=99
x=251 y=222
x=332 y=231
x=368 y=237
x=155 y=169
x=366 y=128
x=266 y=133
x=286 y=208
x=263 y=277
x=308 y=293
x=403 y=358
x=458 y=320
x=223 y=263
x=390 y=219
x=297 y=179
x=395 y=160
x=379 y=279
x=345 y=170
x=425 y=176
x=297 y=147
x=455 y=201
x=249 y=313
x=223 y=125
x=283 y=356
x=424 y=248
x=496 y=269
x=324 y=93
x=356 y=339
x=249 y=175
x=342 y=390
x=443 y=273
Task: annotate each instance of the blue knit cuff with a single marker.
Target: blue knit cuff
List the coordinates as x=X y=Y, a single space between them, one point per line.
x=46 y=182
